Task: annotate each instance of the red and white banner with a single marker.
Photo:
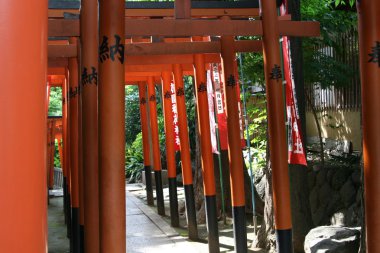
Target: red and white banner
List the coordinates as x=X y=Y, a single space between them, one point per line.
x=219 y=100
x=211 y=109
x=175 y=116
x=296 y=149
x=217 y=80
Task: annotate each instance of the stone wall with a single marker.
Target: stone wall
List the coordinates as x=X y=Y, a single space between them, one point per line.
x=335 y=196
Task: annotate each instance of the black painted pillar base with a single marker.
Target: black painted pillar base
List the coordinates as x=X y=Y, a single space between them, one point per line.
x=75 y=230
x=149 y=188
x=81 y=227
x=191 y=212
x=284 y=241
x=240 y=229
x=174 y=215
x=159 y=193
x=212 y=224
x=65 y=199
x=68 y=208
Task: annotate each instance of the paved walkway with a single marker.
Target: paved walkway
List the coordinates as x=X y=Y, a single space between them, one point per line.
x=148 y=232
x=58 y=242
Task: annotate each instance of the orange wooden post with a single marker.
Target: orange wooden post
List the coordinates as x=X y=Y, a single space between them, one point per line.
x=23 y=214
x=89 y=82
x=74 y=150
x=111 y=127
x=170 y=146
x=185 y=153
x=234 y=145
x=60 y=150
x=51 y=154
x=206 y=152
x=49 y=129
x=146 y=145
x=182 y=9
x=48 y=157
x=276 y=124
x=369 y=41
x=80 y=168
x=156 y=146
x=66 y=149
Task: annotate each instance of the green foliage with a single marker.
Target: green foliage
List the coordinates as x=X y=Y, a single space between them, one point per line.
x=132 y=113
x=190 y=110
x=57 y=160
x=55 y=102
x=134 y=159
x=320 y=67
x=257 y=113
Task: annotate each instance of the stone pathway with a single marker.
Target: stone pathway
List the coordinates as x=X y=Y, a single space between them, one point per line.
x=57 y=241
x=148 y=232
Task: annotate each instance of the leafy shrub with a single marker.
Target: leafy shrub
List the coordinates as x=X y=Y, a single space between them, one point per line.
x=134 y=160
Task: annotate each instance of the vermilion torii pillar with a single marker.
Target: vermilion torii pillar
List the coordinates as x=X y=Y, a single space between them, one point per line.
x=52 y=153
x=65 y=165
x=111 y=127
x=89 y=84
x=206 y=152
x=146 y=146
x=23 y=212
x=66 y=149
x=155 y=146
x=49 y=136
x=234 y=145
x=276 y=124
x=74 y=149
x=185 y=153
x=369 y=41
x=170 y=145
x=80 y=168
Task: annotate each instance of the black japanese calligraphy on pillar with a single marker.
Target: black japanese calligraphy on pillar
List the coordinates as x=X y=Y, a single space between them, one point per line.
x=117 y=50
x=375 y=54
x=231 y=82
x=89 y=78
x=143 y=101
x=73 y=92
x=276 y=73
x=104 y=50
x=180 y=92
x=152 y=98
x=168 y=95
x=112 y=52
x=202 y=87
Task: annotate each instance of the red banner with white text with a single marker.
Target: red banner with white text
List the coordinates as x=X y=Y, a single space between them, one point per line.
x=175 y=116
x=296 y=149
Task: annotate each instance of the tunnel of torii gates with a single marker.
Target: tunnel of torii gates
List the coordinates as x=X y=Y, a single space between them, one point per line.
x=92 y=58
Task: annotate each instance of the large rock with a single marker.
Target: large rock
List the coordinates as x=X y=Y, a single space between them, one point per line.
x=339 y=178
x=321 y=177
x=357 y=177
x=260 y=187
x=332 y=239
x=348 y=193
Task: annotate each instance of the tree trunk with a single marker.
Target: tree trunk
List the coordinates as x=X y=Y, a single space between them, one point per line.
x=198 y=176
x=266 y=237
x=321 y=149
x=299 y=191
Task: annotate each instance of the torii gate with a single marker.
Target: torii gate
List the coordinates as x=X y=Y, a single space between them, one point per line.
x=113 y=25
x=229 y=27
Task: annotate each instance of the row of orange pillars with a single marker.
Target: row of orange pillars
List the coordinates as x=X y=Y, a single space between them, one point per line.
x=23 y=120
